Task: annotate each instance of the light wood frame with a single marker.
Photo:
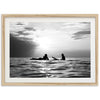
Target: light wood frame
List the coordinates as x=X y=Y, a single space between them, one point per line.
x=49 y=15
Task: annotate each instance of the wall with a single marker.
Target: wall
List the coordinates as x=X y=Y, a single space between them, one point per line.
x=49 y=92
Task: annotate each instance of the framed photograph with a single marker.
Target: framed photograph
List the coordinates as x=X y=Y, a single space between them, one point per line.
x=50 y=49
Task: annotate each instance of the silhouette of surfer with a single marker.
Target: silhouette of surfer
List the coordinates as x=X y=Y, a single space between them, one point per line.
x=45 y=57
x=63 y=57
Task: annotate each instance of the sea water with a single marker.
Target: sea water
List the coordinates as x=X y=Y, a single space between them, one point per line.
x=69 y=68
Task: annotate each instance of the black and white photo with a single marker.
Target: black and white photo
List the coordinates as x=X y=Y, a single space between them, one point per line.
x=50 y=49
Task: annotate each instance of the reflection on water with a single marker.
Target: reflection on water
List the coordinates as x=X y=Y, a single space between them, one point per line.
x=70 y=68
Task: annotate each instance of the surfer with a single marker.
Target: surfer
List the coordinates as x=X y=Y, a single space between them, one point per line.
x=63 y=57
x=45 y=57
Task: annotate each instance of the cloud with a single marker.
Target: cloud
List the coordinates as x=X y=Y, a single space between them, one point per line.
x=29 y=28
x=14 y=34
x=34 y=29
x=85 y=23
x=24 y=33
x=19 y=23
x=20 y=32
x=80 y=35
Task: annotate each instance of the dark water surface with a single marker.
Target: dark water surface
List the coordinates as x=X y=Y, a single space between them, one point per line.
x=70 y=68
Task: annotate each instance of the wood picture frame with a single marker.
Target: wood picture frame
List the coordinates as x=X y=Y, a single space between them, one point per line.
x=9 y=20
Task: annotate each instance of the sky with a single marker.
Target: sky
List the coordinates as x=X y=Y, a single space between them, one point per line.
x=34 y=39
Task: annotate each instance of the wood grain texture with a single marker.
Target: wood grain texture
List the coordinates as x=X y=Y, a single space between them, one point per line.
x=51 y=15
x=4 y=16
x=3 y=50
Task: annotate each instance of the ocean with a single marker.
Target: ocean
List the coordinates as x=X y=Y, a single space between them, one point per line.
x=69 y=68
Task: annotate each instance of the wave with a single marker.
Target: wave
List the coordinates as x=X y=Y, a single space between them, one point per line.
x=70 y=68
